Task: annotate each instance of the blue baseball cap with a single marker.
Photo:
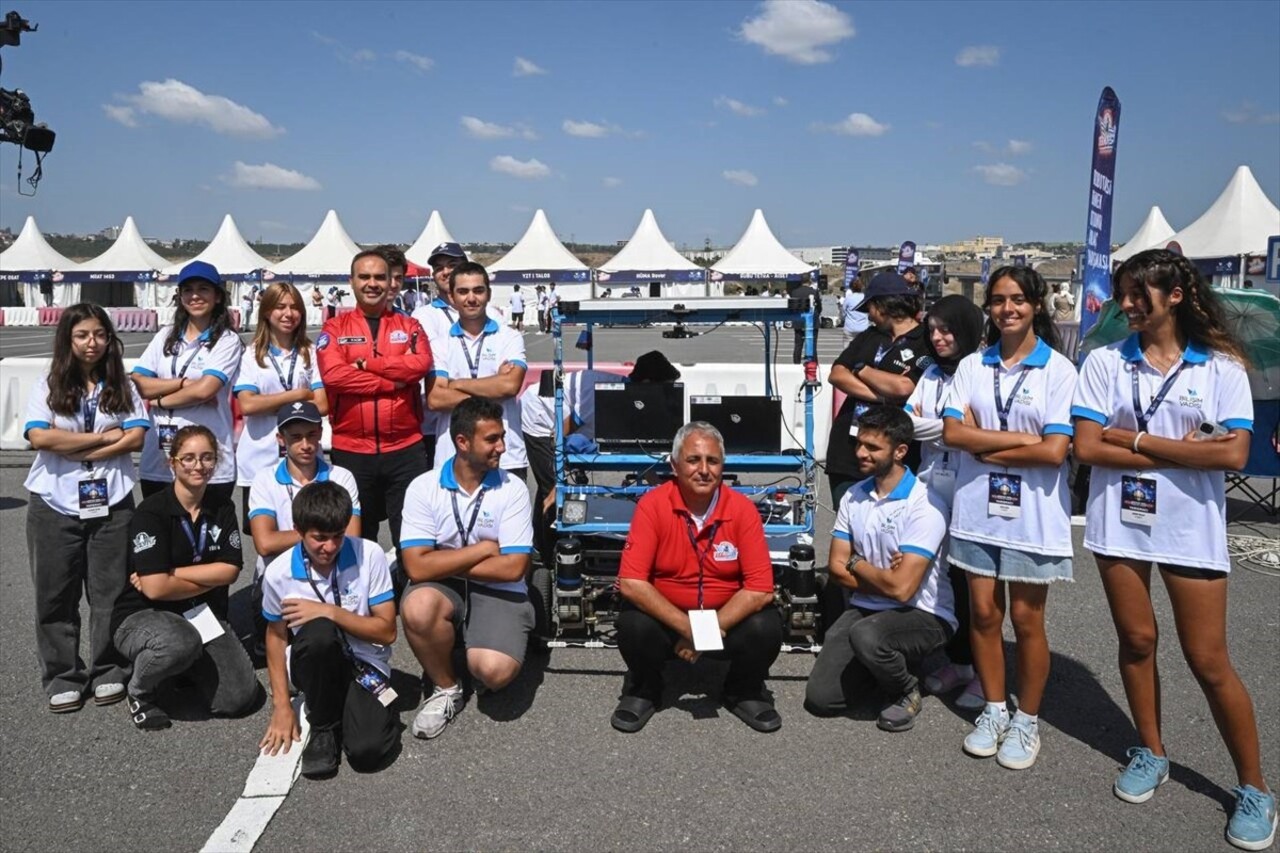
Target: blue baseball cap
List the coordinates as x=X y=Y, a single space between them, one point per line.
x=200 y=270
x=449 y=250
x=885 y=284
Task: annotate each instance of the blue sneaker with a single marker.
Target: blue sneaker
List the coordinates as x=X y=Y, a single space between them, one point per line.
x=1021 y=744
x=1146 y=772
x=988 y=730
x=1253 y=823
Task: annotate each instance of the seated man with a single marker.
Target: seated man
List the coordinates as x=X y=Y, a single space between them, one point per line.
x=333 y=593
x=889 y=531
x=467 y=542
x=696 y=556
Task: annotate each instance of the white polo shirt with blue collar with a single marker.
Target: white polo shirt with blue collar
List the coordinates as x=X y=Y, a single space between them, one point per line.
x=908 y=520
x=434 y=504
x=274 y=489
x=359 y=580
x=461 y=356
x=257 y=448
x=1038 y=392
x=1189 y=527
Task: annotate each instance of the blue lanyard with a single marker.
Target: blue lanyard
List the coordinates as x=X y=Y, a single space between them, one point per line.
x=473 y=366
x=173 y=364
x=701 y=553
x=464 y=533
x=1142 y=417
x=293 y=363
x=197 y=551
x=89 y=408
x=1003 y=408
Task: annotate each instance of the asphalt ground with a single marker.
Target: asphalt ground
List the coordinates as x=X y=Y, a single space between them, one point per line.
x=538 y=767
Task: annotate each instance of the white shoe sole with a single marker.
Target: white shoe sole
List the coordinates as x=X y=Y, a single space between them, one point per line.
x=1254 y=845
x=1021 y=763
x=1139 y=798
x=981 y=753
x=427 y=734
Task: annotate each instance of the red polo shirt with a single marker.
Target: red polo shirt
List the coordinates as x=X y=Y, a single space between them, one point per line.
x=658 y=549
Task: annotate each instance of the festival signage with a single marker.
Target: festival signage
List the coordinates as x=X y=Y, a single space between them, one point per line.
x=1019 y=260
x=906 y=256
x=1102 y=173
x=850 y=267
x=986 y=271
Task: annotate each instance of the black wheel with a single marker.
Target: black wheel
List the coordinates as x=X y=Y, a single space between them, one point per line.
x=540 y=581
x=833 y=599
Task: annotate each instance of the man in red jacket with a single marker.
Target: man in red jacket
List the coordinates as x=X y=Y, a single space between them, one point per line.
x=372 y=361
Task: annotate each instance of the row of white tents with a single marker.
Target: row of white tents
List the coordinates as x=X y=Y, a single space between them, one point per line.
x=131 y=273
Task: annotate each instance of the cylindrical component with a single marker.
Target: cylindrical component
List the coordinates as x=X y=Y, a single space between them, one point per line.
x=569 y=565
x=811 y=371
x=802 y=582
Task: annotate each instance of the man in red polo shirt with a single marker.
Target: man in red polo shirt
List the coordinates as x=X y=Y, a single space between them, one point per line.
x=697 y=579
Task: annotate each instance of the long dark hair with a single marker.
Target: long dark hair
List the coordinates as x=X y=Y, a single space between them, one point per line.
x=219 y=321
x=66 y=386
x=964 y=320
x=1199 y=316
x=1033 y=286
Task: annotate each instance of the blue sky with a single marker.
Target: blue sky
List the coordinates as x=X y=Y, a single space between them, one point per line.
x=859 y=123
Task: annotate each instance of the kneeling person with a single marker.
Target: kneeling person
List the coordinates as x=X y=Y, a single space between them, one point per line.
x=889 y=531
x=331 y=592
x=467 y=542
x=697 y=577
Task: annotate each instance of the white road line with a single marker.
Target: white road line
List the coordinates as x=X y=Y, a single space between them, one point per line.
x=264 y=792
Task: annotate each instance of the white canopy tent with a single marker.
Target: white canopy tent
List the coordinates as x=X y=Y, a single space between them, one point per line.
x=540 y=258
x=1236 y=225
x=1154 y=233
x=230 y=253
x=129 y=259
x=649 y=259
x=435 y=233
x=326 y=257
x=758 y=255
x=32 y=253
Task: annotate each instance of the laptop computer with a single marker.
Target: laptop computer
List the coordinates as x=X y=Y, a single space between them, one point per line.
x=638 y=416
x=749 y=424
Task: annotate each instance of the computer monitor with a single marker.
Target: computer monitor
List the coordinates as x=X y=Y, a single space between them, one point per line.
x=641 y=416
x=749 y=424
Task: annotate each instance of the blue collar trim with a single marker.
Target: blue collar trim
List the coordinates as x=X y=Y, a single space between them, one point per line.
x=1131 y=350
x=346 y=560
x=440 y=303
x=900 y=492
x=490 y=328
x=1039 y=356
x=282 y=472
x=492 y=479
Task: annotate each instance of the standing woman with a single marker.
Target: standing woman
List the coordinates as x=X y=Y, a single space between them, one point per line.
x=84 y=418
x=1009 y=410
x=186 y=372
x=1156 y=496
x=277 y=369
x=172 y=616
x=954 y=331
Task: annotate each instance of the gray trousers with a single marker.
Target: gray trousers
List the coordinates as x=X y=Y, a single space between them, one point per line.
x=869 y=648
x=68 y=554
x=162 y=644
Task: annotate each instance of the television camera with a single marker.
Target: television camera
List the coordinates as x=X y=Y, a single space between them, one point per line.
x=17 y=117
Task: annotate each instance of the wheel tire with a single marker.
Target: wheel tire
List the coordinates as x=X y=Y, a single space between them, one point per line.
x=540 y=582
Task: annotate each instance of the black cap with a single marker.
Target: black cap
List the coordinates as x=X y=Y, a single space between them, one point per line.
x=301 y=411
x=449 y=250
x=886 y=284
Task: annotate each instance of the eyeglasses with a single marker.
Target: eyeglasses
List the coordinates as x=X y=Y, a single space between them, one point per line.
x=204 y=460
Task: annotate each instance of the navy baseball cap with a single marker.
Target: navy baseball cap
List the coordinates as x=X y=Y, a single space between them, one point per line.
x=201 y=270
x=449 y=250
x=300 y=411
x=885 y=284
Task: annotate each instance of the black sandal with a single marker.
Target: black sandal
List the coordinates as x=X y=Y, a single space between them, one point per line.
x=632 y=713
x=756 y=713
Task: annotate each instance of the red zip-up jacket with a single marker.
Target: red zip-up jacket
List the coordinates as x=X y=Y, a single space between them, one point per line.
x=366 y=410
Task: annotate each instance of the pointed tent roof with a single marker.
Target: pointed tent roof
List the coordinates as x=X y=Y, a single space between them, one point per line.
x=432 y=235
x=1154 y=233
x=538 y=250
x=648 y=249
x=228 y=251
x=1238 y=223
x=758 y=254
x=329 y=252
x=129 y=253
x=32 y=252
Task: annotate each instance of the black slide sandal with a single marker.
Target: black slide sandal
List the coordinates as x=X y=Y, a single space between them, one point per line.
x=756 y=713
x=632 y=713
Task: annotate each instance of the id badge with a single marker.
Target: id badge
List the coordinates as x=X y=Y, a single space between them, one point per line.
x=203 y=620
x=92 y=498
x=166 y=433
x=1004 y=495
x=1138 y=500
x=706 y=631
x=371 y=678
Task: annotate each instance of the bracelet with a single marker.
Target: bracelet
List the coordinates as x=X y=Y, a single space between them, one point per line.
x=1137 y=438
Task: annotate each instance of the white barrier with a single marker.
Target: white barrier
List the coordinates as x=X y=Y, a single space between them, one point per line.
x=22 y=316
x=164 y=315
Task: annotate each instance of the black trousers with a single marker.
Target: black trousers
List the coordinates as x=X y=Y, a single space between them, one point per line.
x=751 y=647
x=382 y=479
x=323 y=674
x=797 y=351
x=542 y=461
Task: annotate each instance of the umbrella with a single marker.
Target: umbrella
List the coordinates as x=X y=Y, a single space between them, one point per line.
x=1111 y=326
x=1253 y=316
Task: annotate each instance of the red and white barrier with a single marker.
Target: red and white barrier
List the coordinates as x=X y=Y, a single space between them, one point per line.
x=49 y=315
x=22 y=317
x=1 y=316
x=133 y=319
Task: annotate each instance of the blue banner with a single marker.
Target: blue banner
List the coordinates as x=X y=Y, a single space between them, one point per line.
x=906 y=256
x=986 y=271
x=1102 y=174
x=851 y=262
x=662 y=276
x=541 y=276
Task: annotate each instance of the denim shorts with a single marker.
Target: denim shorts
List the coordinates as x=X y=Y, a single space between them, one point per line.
x=1007 y=564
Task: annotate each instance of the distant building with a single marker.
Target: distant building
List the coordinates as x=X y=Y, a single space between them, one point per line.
x=111 y=232
x=978 y=247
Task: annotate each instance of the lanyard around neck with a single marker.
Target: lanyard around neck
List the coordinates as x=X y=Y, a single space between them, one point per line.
x=1144 y=417
x=473 y=365
x=1003 y=408
x=464 y=533
x=701 y=554
x=197 y=550
x=293 y=363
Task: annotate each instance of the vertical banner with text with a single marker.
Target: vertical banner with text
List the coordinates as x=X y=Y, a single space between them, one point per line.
x=850 y=267
x=906 y=256
x=1102 y=173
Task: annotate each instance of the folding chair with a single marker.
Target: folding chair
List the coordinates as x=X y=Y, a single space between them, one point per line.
x=1263 y=463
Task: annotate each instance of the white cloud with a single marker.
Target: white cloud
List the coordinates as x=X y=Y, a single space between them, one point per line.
x=978 y=56
x=184 y=104
x=585 y=129
x=1018 y=147
x=1001 y=174
x=364 y=54
x=855 y=124
x=417 y=60
x=269 y=176
x=611 y=183
x=509 y=165
x=737 y=107
x=797 y=30
x=1014 y=148
x=1247 y=113
x=779 y=101
x=741 y=177
x=481 y=129
x=526 y=68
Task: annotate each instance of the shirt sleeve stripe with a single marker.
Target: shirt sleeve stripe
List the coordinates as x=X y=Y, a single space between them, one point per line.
x=516 y=549
x=271 y=617
x=238 y=388
x=520 y=363
x=841 y=535
x=439 y=374
x=1238 y=423
x=143 y=371
x=137 y=422
x=953 y=413
x=209 y=371
x=1059 y=429
x=317 y=385
x=386 y=596
x=417 y=543
x=1088 y=414
x=254 y=513
x=916 y=549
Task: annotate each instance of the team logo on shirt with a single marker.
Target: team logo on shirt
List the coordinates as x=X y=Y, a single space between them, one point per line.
x=907 y=353
x=399 y=337
x=322 y=341
x=142 y=542
x=725 y=552
x=215 y=533
x=1192 y=399
x=486 y=519
x=234 y=539
x=1025 y=397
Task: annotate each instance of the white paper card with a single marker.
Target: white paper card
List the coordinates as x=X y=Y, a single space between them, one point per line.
x=203 y=620
x=706 y=630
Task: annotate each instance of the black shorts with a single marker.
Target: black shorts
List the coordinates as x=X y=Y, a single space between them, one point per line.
x=1192 y=572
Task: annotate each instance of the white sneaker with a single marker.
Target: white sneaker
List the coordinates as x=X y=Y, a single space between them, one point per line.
x=108 y=693
x=66 y=701
x=441 y=707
